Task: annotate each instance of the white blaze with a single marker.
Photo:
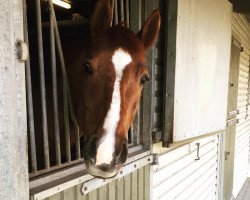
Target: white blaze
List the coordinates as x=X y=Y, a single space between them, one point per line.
x=106 y=148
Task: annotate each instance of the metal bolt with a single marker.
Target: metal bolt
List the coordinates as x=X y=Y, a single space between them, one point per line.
x=134 y=166
x=85 y=188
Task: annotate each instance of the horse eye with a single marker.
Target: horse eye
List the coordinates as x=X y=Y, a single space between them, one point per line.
x=144 y=79
x=88 y=68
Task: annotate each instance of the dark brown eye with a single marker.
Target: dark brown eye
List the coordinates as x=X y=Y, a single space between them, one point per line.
x=144 y=79
x=88 y=68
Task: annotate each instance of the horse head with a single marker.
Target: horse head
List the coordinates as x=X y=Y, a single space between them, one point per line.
x=113 y=74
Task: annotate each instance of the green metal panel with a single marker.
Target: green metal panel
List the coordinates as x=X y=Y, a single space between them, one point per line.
x=127 y=188
x=146 y=180
x=169 y=70
x=78 y=193
x=111 y=190
x=133 y=186
x=140 y=184
x=102 y=192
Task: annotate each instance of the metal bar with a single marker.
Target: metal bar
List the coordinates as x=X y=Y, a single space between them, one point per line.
x=32 y=142
x=74 y=120
x=73 y=171
x=54 y=169
x=234 y=112
x=116 y=12
x=54 y=90
x=112 y=8
x=127 y=13
x=42 y=85
x=169 y=71
x=131 y=134
x=121 y=11
x=135 y=128
x=65 y=84
x=68 y=23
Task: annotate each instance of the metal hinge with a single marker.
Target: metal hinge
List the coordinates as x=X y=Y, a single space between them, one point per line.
x=232 y=122
x=234 y=112
x=237 y=44
x=227 y=153
x=155 y=159
x=156 y=136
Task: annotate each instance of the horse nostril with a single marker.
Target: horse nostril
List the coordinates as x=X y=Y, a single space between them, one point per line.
x=104 y=167
x=124 y=154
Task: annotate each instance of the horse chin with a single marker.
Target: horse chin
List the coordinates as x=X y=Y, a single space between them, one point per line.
x=94 y=171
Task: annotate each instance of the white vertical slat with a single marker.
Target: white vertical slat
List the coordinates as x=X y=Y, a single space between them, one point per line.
x=241 y=30
x=180 y=176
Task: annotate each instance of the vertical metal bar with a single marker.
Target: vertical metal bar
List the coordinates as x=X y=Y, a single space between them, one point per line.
x=65 y=84
x=31 y=128
x=112 y=8
x=66 y=118
x=136 y=127
x=54 y=90
x=42 y=85
x=131 y=132
x=115 y=12
x=122 y=10
x=127 y=13
x=74 y=120
x=138 y=138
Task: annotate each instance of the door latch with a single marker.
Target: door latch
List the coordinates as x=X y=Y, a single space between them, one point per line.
x=198 y=151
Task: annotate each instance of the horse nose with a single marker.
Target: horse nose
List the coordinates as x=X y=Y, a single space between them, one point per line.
x=104 y=167
x=123 y=154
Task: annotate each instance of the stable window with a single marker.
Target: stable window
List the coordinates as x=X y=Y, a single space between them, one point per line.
x=48 y=91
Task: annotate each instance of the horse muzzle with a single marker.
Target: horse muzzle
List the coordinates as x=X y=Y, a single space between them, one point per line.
x=102 y=171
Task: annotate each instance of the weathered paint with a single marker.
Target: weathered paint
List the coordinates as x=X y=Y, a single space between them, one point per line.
x=229 y=139
x=241 y=30
x=13 y=133
x=202 y=66
x=125 y=188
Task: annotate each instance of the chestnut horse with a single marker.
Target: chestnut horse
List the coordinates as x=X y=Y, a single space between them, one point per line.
x=107 y=87
x=106 y=80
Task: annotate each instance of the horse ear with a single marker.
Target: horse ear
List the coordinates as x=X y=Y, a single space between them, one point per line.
x=101 y=18
x=150 y=29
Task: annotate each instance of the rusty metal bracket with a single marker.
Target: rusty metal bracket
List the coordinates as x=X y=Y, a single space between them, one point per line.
x=156 y=136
